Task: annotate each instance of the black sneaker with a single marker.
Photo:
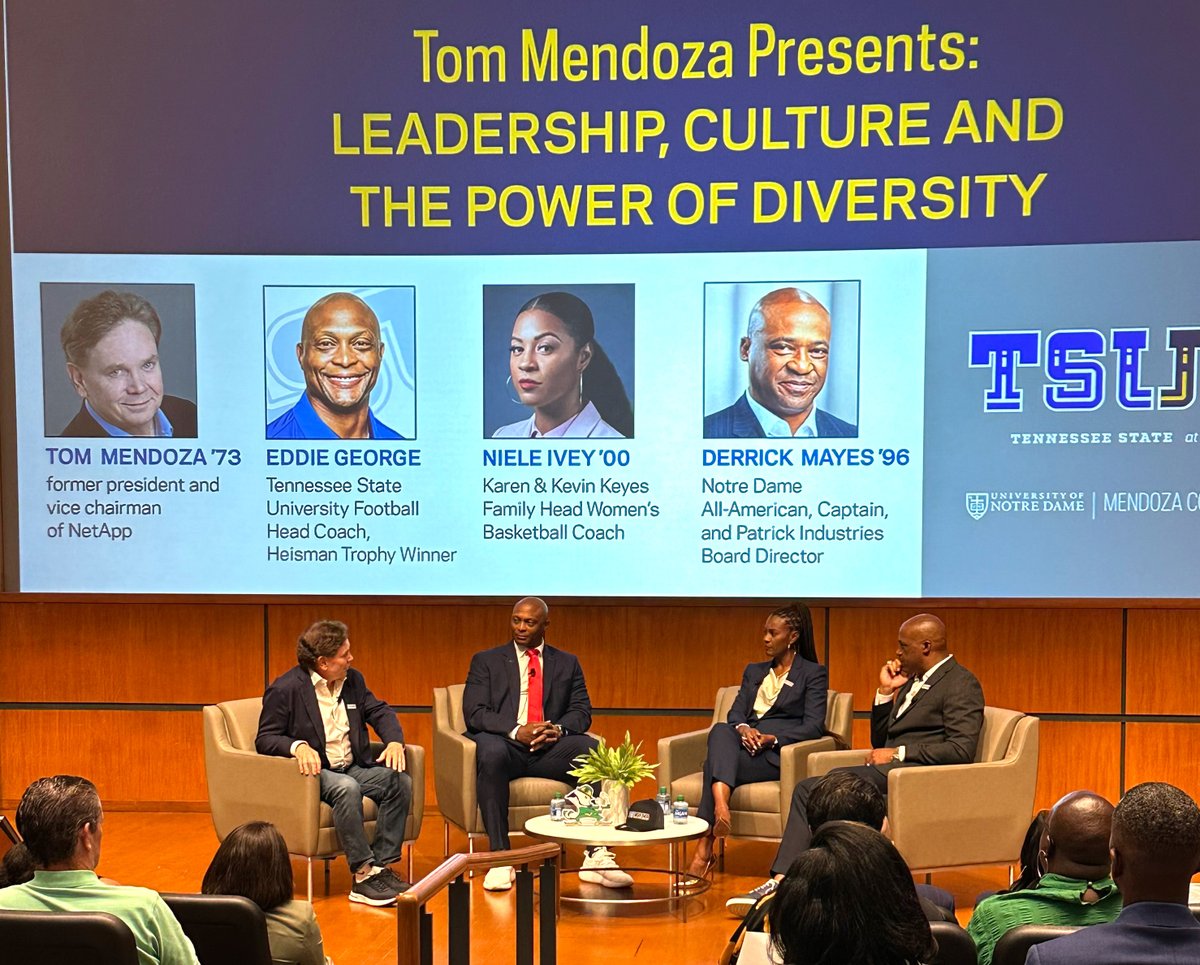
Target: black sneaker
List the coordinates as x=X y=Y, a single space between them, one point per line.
x=394 y=881
x=376 y=890
x=738 y=905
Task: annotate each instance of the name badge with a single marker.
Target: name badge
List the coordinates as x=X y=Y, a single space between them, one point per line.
x=787 y=683
x=352 y=706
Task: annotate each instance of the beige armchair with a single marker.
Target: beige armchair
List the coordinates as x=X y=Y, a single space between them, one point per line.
x=454 y=776
x=960 y=815
x=244 y=785
x=756 y=810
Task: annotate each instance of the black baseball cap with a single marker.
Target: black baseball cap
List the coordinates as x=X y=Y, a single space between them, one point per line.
x=644 y=815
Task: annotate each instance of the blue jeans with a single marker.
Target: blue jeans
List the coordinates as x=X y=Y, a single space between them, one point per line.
x=392 y=793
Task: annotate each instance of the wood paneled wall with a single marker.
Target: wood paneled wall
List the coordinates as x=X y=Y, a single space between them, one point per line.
x=112 y=689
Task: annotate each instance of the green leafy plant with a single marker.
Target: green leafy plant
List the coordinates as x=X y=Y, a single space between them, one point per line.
x=623 y=763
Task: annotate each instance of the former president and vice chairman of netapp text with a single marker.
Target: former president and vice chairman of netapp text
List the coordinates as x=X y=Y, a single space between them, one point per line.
x=786 y=348
x=340 y=353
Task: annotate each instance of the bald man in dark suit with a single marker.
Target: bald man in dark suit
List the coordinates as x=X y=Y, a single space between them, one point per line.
x=527 y=709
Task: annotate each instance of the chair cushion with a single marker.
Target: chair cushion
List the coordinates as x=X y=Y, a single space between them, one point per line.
x=241 y=721
x=998 y=727
x=762 y=796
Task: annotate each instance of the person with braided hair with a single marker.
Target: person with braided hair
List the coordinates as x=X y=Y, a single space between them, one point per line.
x=559 y=370
x=781 y=701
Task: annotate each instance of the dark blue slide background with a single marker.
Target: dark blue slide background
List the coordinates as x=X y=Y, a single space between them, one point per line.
x=206 y=128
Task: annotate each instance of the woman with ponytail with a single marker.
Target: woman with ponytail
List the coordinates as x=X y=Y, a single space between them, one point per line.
x=781 y=701
x=559 y=370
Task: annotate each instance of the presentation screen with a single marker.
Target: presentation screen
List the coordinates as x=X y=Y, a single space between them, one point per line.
x=880 y=299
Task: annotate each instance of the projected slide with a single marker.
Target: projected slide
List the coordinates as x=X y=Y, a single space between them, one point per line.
x=826 y=303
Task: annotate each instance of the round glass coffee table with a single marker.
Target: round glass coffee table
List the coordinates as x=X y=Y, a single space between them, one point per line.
x=672 y=886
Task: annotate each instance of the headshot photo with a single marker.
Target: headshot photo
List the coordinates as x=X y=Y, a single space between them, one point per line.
x=109 y=355
x=341 y=363
x=558 y=361
x=781 y=360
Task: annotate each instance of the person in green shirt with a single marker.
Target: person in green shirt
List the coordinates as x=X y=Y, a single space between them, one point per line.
x=62 y=822
x=1076 y=888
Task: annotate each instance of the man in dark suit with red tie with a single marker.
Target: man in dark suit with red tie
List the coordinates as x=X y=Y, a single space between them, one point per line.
x=527 y=709
x=928 y=710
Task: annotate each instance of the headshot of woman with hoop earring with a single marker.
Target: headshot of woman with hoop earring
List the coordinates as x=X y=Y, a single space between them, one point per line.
x=558 y=369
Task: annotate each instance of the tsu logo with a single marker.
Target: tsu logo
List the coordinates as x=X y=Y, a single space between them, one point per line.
x=977 y=504
x=1077 y=364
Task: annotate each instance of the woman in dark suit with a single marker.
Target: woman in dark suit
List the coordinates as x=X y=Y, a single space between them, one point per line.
x=781 y=701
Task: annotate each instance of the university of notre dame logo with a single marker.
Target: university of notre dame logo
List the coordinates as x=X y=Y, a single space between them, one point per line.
x=977 y=504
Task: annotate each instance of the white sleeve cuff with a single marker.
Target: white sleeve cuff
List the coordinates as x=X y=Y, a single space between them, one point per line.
x=884 y=698
x=900 y=753
x=296 y=744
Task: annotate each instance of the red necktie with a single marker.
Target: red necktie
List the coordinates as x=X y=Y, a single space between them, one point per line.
x=535 y=687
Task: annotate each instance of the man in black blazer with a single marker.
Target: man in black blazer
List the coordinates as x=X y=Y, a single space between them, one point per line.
x=318 y=713
x=928 y=710
x=786 y=351
x=514 y=737
x=1155 y=848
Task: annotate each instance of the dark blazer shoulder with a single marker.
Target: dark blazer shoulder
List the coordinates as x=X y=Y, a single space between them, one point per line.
x=291 y=679
x=830 y=426
x=736 y=421
x=182 y=414
x=83 y=425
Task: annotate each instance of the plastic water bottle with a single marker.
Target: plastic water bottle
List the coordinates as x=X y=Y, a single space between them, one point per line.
x=556 y=807
x=664 y=800
x=680 y=814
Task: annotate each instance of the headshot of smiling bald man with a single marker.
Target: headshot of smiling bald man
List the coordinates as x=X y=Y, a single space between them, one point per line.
x=786 y=350
x=340 y=353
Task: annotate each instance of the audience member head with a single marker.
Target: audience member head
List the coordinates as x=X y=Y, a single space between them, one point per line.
x=798 y=620
x=252 y=862
x=844 y=796
x=59 y=817
x=16 y=866
x=1155 y=843
x=849 y=898
x=323 y=639
x=1075 y=843
x=1031 y=849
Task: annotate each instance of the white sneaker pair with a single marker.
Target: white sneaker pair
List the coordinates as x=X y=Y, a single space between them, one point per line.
x=499 y=879
x=600 y=868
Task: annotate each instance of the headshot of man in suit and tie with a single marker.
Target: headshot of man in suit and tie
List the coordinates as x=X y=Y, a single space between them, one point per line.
x=787 y=349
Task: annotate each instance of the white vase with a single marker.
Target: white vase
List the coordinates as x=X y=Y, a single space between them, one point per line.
x=616 y=795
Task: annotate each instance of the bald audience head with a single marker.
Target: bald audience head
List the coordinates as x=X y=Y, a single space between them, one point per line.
x=1155 y=843
x=1076 y=837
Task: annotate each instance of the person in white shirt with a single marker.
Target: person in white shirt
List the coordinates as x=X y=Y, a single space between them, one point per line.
x=318 y=713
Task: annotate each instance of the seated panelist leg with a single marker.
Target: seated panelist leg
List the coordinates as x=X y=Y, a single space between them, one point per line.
x=559 y=757
x=343 y=793
x=498 y=760
x=797 y=836
x=392 y=793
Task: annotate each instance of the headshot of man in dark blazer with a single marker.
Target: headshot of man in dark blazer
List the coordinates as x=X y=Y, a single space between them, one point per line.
x=786 y=349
